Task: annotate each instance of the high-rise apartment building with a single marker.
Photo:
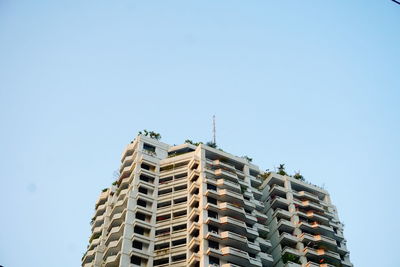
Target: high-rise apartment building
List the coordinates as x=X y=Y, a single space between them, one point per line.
x=191 y=205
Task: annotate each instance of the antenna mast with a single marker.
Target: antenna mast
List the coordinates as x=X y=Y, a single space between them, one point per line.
x=214 y=136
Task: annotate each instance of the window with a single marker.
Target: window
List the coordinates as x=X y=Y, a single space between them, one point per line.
x=213 y=244
x=137 y=244
x=212 y=214
x=146 y=178
x=164 y=192
x=149 y=147
x=179 y=257
x=211 y=187
x=214 y=260
x=138 y=230
x=161 y=261
x=180 y=213
x=162 y=231
x=136 y=260
x=180 y=200
x=180 y=176
x=143 y=190
x=213 y=229
x=212 y=200
x=163 y=217
x=164 y=204
x=165 y=180
x=182 y=187
x=140 y=216
x=148 y=167
x=179 y=227
x=161 y=246
x=141 y=202
x=179 y=242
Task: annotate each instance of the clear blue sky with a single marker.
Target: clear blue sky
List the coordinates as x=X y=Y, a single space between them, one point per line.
x=313 y=84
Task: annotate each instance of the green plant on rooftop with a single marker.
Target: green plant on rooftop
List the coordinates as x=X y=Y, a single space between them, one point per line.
x=281 y=169
x=114 y=183
x=150 y=134
x=104 y=190
x=212 y=144
x=265 y=174
x=188 y=141
x=298 y=176
x=247 y=158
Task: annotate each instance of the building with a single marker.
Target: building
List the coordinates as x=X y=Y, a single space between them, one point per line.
x=194 y=205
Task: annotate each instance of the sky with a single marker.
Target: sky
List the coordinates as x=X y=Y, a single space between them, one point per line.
x=311 y=84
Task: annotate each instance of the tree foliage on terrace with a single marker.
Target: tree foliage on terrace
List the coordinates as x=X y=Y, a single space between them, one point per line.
x=150 y=134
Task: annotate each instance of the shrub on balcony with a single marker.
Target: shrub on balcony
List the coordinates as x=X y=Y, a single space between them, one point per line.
x=287 y=257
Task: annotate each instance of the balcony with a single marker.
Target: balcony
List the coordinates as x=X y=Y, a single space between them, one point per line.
x=316 y=254
x=278 y=190
x=227 y=209
x=316 y=228
x=225 y=195
x=259 y=205
x=249 y=204
x=193 y=259
x=266 y=259
x=225 y=184
x=193 y=200
x=286 y=226
x=306 y=195
x=291 y=251
x=261 y=228
x=228 y=223
x=194 y=175
x=194 y=186
x=252 y=233
x=279 y=202
x=261 y=217
x=226 y=175
x=227 y=238
x=263 y=243
x=112 y=260
x=100 y=210
x=117 y=219
x=282 y=214
x=255 y=181
x=89 y=256
x=288 y=239
x=327 y=241
x=224 y=165
x=113 y=248
x=115 y=233
x=309 y=205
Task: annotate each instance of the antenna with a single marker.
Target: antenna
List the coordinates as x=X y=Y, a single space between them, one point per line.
x=214 y=136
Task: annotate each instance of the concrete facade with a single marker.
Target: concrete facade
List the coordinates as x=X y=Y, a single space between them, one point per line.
x=190 y=205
